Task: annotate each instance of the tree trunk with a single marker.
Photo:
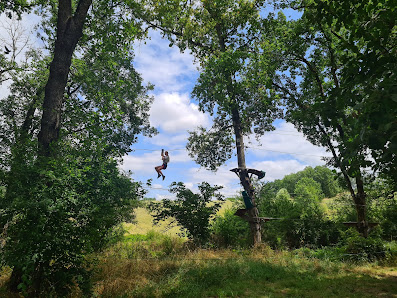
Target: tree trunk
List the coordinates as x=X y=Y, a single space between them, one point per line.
x=361 y=208
x=15 y=280
x=359 y=195
x=253 y=213
x=69 y=31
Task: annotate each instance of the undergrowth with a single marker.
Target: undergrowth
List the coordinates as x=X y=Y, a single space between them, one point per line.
x=155 y=265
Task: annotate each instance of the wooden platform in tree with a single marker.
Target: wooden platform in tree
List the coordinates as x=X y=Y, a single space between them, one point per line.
x=260 y=174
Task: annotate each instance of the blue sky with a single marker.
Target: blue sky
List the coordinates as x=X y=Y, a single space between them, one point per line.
x=173 y=113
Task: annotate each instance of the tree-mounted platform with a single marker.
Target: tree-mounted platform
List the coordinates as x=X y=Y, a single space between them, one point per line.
x=258 y=173
x=243 y=214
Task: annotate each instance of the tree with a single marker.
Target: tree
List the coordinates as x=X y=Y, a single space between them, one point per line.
x=58 y=218
x=314 y=79
x=10 y=6
x=14 y=42
x=64 y=193
x=222 y=36
x=69 y=30
x=320 y=174
x=191 y=211
x=366 y=38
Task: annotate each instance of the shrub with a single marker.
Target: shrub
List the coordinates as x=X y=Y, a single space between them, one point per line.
x=358 y=248
x=303 y=222
x=193 y=212
x=230 y=230
x=56 y=216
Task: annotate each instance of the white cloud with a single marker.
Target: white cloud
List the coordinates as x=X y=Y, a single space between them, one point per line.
x=169 y=141
x=145 y=163
x=223 y=177
x=165 y=67
x=287 y=141
x=278 y=169
x=173 y=112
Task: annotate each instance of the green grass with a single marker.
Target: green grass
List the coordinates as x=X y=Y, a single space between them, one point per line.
x=259 y=272
x=144 y=223
x=158 y=264
x=152 y=262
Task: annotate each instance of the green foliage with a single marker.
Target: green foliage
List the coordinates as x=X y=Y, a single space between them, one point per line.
x=302 y=220
x=366 y=36
x=358 y=248
x=342 y=209
x=382 y=207
x=321 y=174
x=211 y=149
x=57 y=211
x=329 y=185
x=57 y=215
x=336 y=75
x=17 y=6
x=191 y=211
x=229 y=230
x=308 y=189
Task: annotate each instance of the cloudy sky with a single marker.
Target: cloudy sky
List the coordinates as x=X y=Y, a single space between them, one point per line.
x=173 y=113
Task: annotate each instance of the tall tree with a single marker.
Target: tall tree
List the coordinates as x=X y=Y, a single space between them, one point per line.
x=65 y=200
x=366 y=37
x=221 y=35
x=319 y=79
x=69 y=30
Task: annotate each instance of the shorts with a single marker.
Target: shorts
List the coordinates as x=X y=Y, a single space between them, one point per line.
x=164 y=166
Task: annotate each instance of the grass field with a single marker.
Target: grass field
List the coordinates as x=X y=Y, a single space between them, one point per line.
x=177 y=272
x=144 y=222
x=158 y=264
x=152 y=261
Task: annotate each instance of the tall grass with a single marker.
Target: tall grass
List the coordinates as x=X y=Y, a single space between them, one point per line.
x=156 y=265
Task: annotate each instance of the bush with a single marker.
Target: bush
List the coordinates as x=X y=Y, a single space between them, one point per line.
x=229 y=230
x=358 y=248
x=193 y=212
x=56 y=216
x=303 y=223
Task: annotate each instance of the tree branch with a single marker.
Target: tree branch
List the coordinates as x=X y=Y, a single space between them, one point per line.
x=314 y=72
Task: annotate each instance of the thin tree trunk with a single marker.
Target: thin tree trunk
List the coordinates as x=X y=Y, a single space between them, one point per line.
x=361 y=208
x=253 y=213
x=359 y=196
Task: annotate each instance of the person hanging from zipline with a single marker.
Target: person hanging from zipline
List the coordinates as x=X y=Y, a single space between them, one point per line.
x=166 y=160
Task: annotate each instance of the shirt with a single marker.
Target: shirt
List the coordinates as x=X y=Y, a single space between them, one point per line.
x=166 y=159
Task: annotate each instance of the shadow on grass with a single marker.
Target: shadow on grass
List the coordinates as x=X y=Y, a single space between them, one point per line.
x=255 y=278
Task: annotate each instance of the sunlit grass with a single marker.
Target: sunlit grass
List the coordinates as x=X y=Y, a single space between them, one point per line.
x=144 y=222
x=152 y=261
x=260 y=272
